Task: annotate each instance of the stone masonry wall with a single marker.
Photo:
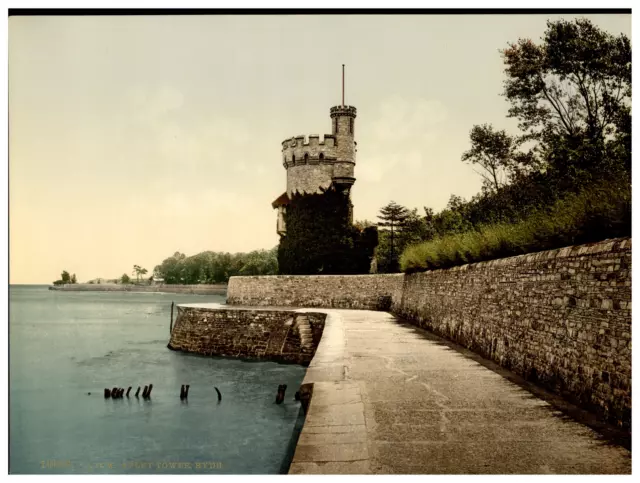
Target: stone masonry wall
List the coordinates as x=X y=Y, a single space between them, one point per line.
x=276 y=335
x=561 y=318
x=308 y=179
x=370 y=292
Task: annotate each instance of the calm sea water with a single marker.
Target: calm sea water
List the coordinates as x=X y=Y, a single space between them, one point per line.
x=66 y=347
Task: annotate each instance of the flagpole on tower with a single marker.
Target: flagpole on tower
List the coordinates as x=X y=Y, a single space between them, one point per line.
x=342 y=85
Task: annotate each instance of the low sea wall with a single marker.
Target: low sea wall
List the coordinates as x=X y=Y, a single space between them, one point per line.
x=275 y=335
x=561 y=318
x=364 y=292
x=106 y=287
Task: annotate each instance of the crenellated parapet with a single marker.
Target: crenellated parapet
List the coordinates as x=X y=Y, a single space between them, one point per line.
x=343 y=111
x=312 y=149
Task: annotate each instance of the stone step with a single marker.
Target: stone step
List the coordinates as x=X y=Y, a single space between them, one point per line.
x=304 y=331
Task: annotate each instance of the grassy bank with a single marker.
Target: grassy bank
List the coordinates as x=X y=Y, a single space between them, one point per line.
x=599 y=212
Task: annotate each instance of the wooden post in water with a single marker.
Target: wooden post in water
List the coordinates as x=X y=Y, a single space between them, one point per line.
x=280 y=396
x=171 y=320
x=138 y=392
x=149 y=391
x=107 y=393
x=128 y=391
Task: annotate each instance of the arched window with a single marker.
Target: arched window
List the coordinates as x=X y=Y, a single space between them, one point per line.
x=293 y=158
x=306 y=158
x=321 y=157
x=335 y=125
x=350 y=125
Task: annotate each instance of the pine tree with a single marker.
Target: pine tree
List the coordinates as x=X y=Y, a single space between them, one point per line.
x=394 y=217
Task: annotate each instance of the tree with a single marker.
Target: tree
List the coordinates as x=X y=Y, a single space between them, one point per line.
x=215 y=267
x=491 y=150
x=415 y=229
x=393 y=218
x=497 y=155
x=74 y=279
x=138 y=271
x=454 y=218
x=259 y=262
x=125 y=279
x=65 y=277
x=571 y=94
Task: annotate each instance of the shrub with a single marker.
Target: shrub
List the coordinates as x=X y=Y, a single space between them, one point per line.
x=599 y=212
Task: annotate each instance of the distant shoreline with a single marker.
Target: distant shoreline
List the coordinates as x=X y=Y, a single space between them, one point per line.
x=217 y=289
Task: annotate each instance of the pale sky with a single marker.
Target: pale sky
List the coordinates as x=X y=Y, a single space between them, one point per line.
x=135 y=137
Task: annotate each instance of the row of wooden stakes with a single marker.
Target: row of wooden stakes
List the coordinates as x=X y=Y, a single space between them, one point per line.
x=118 y=392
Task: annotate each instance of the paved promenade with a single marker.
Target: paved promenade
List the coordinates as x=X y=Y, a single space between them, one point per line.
x=391 y=398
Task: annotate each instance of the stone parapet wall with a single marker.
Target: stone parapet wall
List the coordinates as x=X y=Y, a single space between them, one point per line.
x=276 y=335
x=369 y=292
x=561 y=318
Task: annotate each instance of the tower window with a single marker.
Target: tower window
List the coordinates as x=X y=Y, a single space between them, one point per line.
x=335 y=125
x=350 y=125
x=321 y=157
x=293 y=158
x=306 y=158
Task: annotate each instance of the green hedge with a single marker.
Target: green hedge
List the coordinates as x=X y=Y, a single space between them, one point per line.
x=597 y=213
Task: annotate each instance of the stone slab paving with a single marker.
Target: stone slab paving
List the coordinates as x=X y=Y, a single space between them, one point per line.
x=391 y=398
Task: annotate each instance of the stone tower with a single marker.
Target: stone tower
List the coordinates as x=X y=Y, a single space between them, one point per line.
x=315 y=164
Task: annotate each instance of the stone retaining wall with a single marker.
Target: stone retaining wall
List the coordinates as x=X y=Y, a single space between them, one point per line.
x=368 y=292
x=276 y=335
x=561 y=318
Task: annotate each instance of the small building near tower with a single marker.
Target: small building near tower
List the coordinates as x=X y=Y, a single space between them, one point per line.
x=315 y=164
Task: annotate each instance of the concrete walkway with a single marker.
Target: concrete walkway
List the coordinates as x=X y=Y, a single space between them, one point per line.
x=391 y=398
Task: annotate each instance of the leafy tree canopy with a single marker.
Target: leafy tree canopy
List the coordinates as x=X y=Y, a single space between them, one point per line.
x=215 y=267
x=571 y=94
